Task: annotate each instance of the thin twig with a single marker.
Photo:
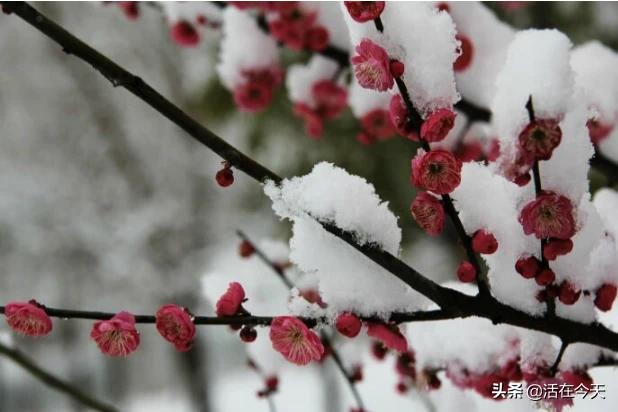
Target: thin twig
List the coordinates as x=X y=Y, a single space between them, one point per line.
x=54 y=382
x=416 y=121
x=325 y=339
x=453 y=303
x=554 y=368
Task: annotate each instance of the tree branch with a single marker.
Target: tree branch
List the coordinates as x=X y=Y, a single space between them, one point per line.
x=54 y=382
x=452 y=302
x=449 y=207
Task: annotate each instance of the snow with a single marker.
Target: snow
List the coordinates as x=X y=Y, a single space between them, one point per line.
x=347 y=279
x=243 y=47
x=424 y=40
x=498 y=214
x=363 y=101
x=537 y=65
x=189 y=11
x=490 y=39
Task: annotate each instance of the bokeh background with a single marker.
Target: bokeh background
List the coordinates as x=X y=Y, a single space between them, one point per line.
x=106 y=205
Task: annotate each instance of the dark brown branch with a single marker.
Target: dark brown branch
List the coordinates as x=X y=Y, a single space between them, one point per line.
x=554 y=368
x=277 y=269
x=236 y=320
x=54 y=382
x=453 y=303
x=417 y=121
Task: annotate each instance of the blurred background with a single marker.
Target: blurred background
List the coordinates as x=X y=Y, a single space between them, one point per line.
x=106 y=205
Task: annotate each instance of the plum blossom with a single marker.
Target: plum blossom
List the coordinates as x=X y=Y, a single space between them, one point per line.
x=348 y=324
x=540 y=137
x=372 y=66
x=389 y=335
x=116 y=336
x=437 y=125
x=175 y=325
x=295 y=341
x=437 y=171
x=363 y=11
x=230 y=303
x=550 y=215
x=185 y=34
x=605 y=297
x=256 y=91
x=28 y=318
x=428 y=213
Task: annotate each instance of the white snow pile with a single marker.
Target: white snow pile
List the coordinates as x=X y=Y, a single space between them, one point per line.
x=537 y=65
x=189 y=11
x=347 y=279
x=243 y=47
x=424 y=40
x=490 y=39
x=498 y=215
x=363 y=101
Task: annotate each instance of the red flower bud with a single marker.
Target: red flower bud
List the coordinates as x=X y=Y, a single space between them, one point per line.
x=545 y=277
x=348 y=324
x=557 y=247
x=606 y=295
x=466 y=272
x=484 y=242
x=528 y=267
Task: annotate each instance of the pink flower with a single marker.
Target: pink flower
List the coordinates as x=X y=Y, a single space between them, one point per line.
x=377 y=123
x=557 y=247
x=229 y=304
x=185 y=34
x=528 y=266
x=314 y=126
x=605 y=297
x=484 y=242
x=295 y=341
x=116 y=336
x=257 y=90
x=297 y=29
x=568 y=294
x=28 y=318
x=389 y=335
x=252 y=97
x=130 y=9
x=317 y=38
x=437 y=171
x=372 y=66
x=348 y=324
x=540 y=137
x=363 y=11
x=598 y=131
x=467 y=52
x=399 y=117
x=428 y=212
x=466 y=272
x=549 y=215
x=330 y=99
x=176 y=326
x=469 y=151
x=437 y=125
x=518 y=170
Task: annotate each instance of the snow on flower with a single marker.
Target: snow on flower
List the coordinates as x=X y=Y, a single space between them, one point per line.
x=315 y=95
x=248 y=61
x=28 y=318
x=424 y=41
x=295 y=341
x=116 y=336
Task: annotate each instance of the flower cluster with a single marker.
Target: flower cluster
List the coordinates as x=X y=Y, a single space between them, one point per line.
x=297 y=28
x=255 y=92
x=329 y=101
